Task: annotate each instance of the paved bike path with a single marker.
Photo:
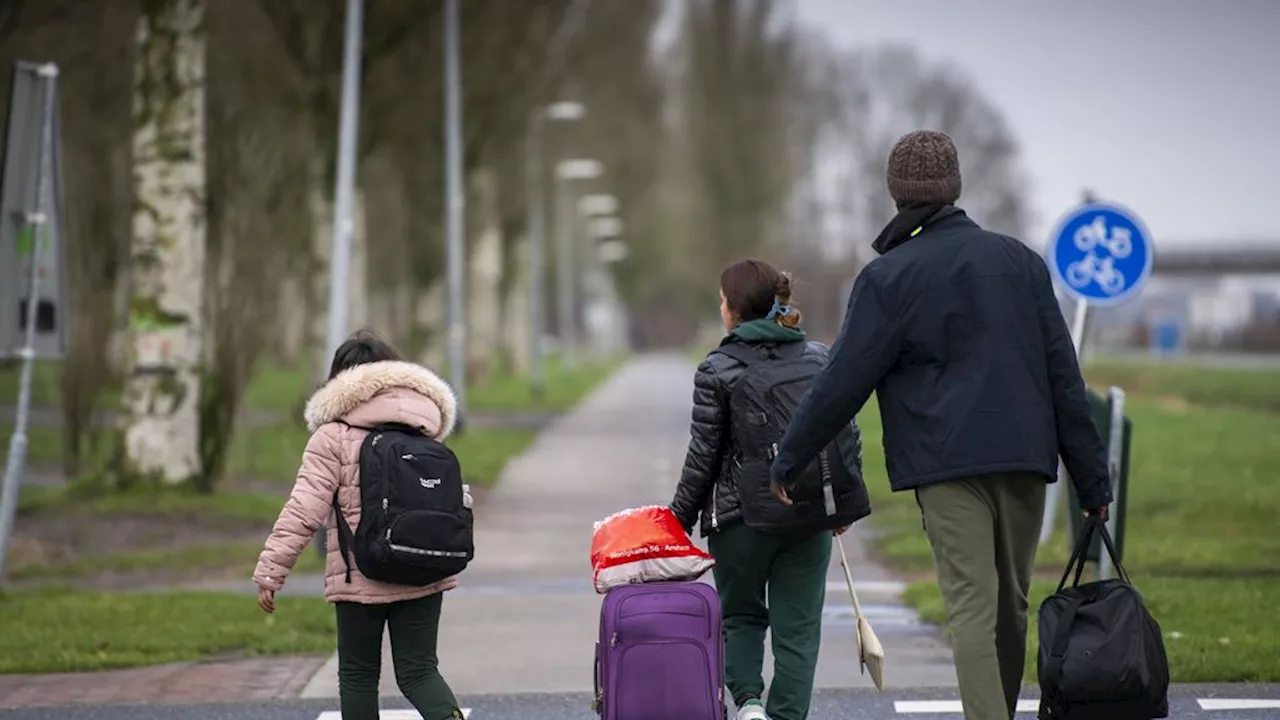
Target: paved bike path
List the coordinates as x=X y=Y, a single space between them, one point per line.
x=524 y=618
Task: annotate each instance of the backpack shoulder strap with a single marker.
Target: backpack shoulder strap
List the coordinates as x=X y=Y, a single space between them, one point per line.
x=743 y=353
x=383 y=426
x=345 y=538
x=750 y=354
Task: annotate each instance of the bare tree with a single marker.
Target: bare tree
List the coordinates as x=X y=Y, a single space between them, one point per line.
x=257 y=210
x=890 y=91
x=740 y=66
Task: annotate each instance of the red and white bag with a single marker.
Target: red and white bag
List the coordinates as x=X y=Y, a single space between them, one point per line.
x=644 y=544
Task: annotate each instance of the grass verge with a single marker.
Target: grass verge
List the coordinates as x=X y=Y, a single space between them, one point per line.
x=268 y=453
x=222 y=556
x=504 y=391
x=483 y=453
x=1248 y=388
x=1202 y=542
x=65 y=631
x=226 y=505
x=1221 y=630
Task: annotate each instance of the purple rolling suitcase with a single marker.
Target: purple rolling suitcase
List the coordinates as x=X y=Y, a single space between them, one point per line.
x=661 y=653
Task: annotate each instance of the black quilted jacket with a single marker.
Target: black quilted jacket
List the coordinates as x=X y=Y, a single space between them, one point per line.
x=709 y=481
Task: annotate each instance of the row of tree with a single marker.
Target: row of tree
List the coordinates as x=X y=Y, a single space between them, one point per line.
x=199 y=153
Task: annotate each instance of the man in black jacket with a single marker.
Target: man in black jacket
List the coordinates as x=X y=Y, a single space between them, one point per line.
x=958 y=332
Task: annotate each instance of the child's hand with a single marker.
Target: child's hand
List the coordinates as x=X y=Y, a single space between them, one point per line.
x=267 y=600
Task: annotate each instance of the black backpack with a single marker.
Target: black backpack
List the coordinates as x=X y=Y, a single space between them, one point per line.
x=826 y=495
x=414 y=526
x=1101 y=653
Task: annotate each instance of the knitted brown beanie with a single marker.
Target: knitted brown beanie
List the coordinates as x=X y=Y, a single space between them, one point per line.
x=923 y=168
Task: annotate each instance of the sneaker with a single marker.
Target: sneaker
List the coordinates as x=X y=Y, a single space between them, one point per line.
x=752 y=710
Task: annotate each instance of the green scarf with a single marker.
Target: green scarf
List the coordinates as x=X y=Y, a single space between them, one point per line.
x=763 y=330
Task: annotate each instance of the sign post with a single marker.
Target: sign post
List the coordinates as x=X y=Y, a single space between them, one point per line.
x=30 y=238
x=1101 y=254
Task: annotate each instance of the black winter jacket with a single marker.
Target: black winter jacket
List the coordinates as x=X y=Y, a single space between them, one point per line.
x=709 y=482
x=958 y=332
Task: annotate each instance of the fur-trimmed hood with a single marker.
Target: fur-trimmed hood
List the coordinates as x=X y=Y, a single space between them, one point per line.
x=387 y=391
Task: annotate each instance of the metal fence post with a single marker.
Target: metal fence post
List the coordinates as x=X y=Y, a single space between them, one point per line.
x=1117 y=432
x=1117 y=450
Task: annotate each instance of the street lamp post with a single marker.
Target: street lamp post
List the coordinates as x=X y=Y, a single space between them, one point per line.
x=455 y=207
x=605 y=246
x=536 y=211
x=567 y=171
x=597 y=211
x=344 y=191
x=344 y=182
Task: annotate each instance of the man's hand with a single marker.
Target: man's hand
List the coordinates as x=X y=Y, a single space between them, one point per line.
x=779 y=492
x=267 y=600
x=841 y=530
x=1102 y=513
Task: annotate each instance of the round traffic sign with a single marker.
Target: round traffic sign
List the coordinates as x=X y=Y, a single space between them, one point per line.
x=1100 y=253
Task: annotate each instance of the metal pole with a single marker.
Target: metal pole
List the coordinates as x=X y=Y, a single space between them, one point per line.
x=536 y=210
x=1079 y=326
x=344 y=183
x=456 y=203
x=36 y=221
x=343 y=191
x=564 y=268
x=1115 y=459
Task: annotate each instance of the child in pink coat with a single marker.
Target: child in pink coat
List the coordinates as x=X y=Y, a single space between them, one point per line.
x=368 y=384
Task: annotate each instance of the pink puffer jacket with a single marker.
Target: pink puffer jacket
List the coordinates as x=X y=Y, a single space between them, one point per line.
x=364 y=395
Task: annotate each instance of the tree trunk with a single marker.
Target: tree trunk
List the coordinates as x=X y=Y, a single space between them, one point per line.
x=161 y=433
x=516 y=323
x=484 y=304
x=429 y=325
x=321 y=207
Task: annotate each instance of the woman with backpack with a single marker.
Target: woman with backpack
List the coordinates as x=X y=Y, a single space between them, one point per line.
x=368 y=385
x=788 y=566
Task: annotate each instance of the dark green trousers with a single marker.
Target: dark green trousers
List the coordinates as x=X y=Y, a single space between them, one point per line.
x=984 y=532
x=778 y=583
x=413 y=625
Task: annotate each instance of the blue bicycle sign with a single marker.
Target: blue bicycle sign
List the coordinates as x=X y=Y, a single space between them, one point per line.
x=1100 y=253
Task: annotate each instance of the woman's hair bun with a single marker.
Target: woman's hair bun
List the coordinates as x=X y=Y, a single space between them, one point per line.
x=782 y=288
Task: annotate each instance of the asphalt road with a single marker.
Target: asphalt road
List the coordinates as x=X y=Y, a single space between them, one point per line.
x=828 y=705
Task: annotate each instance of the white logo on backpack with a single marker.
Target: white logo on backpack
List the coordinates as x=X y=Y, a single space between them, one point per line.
x=433 y=482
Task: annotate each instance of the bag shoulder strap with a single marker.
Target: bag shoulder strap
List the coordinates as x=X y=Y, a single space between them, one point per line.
x=741 y=352
x=1058 y=651
x=345 y=538
x=397 y=426
x=750 y=354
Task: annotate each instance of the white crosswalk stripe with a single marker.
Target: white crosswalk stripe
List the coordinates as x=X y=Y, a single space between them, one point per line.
x=935 y=707
x=1238 y=704
x=386 y=715
x=945 y=707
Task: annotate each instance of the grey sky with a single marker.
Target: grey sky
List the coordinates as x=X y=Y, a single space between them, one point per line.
x=1171 y=107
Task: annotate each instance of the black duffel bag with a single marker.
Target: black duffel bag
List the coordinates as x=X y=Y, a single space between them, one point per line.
x=1101 y=653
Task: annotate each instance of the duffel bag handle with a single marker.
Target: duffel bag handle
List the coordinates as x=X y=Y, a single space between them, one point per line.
x=1092 y=524
x=1111 y=550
